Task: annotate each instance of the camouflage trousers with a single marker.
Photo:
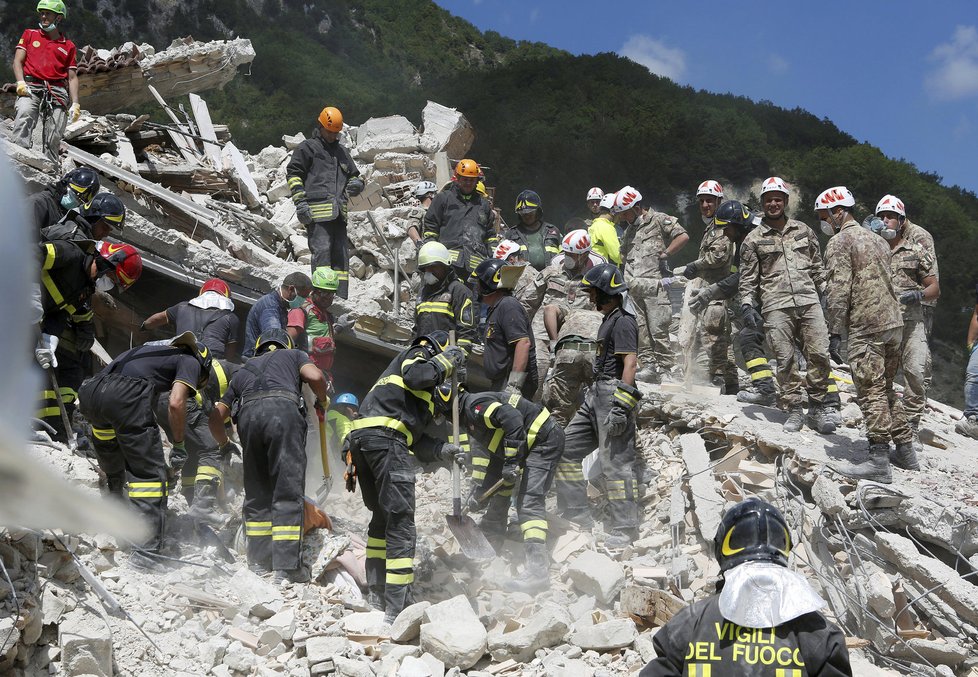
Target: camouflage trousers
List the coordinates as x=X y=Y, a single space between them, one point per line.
x=563 y=392
x=805 y=327
x=874 y=360
x=915 y=358
x=714 y=350
x=654 y=319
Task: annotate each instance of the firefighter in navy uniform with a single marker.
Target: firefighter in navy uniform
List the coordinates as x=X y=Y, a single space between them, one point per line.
x=606 y=420
x=209 y=315
x=74 y=190
x=444 y=303
x=118 y=401
x=764 y=620
x=95 y=220
x=524 y=445
x=509 y=360
x=391 y=426
x=266 y=395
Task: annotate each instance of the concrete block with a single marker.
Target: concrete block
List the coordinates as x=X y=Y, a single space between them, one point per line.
x=86 y=645
x=453 y=634
x=363 y=623
x=407 y=625
x=349 y=667
x=283 y=623
x=545 y=628
x=613 y=634
x=393 y=133
x=827 y=496
x=435 y=666
x=319 y=649
x=597 y=574
x=413 y=667
x=292 y=142
x=257 y=597
x=449 y=129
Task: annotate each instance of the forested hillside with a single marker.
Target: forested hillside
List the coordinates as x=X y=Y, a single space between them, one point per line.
x=545 y=119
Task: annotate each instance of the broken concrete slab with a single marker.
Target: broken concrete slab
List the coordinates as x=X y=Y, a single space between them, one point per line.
x=257 y=596
x=86 y=644
x=452 y=132
x=596 y=574
x=407 y=625
x=614 y=634
x=708 y=501
x=393 y=133
x=453 y=634
x=936 y=651
x=827 y=496
x=545 y=628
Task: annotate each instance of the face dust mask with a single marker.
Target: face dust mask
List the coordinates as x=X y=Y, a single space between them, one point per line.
x=827 y=228
x=430 y=279
x=69 y=200
x=104 y=283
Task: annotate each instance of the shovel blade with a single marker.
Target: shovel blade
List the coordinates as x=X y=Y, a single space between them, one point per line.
x=469 y=537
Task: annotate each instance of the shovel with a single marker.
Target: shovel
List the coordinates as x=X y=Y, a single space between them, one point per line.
x=323 y=491
x=466 y=532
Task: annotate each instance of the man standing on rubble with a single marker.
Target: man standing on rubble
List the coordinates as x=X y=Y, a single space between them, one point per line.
x=393 y=417
x=920 y=236
x=313 y=326
x=444 y=302
x=781 y=280
x=714 y=357
x=424 y=193
x=266 y=398
x=321 y=174
x=462 y=219
x=606 y=420
x=47 y=78
x=73 y=191
x=594 y=196
x=209 y=315
x=650 y=239
x=760 y=602
x=271 y=311
x=539 y=241
x=860 y=300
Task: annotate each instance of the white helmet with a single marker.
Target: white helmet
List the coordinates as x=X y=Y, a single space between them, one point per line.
x=891 y=203
x=425 y=188
x=505 y=249
x=608 y=201
x=710 y=187
x=433 y=252
x=625 y=199
x=595 y=194
x=576 y=242
x=838 y=196
x=774 y=183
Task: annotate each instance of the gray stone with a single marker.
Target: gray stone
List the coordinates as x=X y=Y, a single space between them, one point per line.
x=614 y=634
x=363 y=623
x=86 y=644
x=571 y=668
x=292 y=142
x=212 y=651
x=393 y=133
x=936 y=651
x=319 y=649
x=546 y=628
x=240 y=658
x=270 y=157
x=879 y=590
x=827 y=496
x=413 y=667
x=643 y=644
x=53 y=605
x=349 y=667
x=283 y=622
x=594 y=573
x=257 y=596
x=449 y=129
x=407 y=625
x=452 y=633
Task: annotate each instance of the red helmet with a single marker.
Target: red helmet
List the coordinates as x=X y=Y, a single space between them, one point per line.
x=127 y=261
x=216 y=284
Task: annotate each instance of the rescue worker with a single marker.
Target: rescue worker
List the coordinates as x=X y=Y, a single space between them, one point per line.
x=714 y=356
x=606 y=420
x=393 y=417
x=209 y=315
x=557 y=289
x=539 y=241
x=919 y=236
x=860 y=300
x=321 y=176
x=444 y=302
x=271 y=310
x=424 y=193
x=650 y=239
x=46 y=72
x=915 y=281
x=461 y=218
x=73 y=191
x=605 y=234
x=509 y=360
x=265 y=398
x=968 y=425
x=96 y=220
x=781 y=280
x=312 y=325
x=594 y=196
x=765 y=618
x=524 y=444
x=344 y=410
x=510 y=253
x=118 y=401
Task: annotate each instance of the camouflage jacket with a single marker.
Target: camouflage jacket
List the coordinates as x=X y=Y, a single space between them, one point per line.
x=555 y=286
x=918 y=235
x=643 y=241
x=715 y=256
x=781 y=269
x=910 y=265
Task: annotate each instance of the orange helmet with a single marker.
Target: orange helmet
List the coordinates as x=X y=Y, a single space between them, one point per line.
x=218 y=285
x=468 y=168
x=127 y=263
x=332 y=119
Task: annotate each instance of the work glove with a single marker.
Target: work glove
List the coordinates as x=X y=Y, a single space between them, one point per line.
x=344 y=323
x=303 y=213
x=450 y=360
x=700 y=300
x=912 y=297
x=74 y=112
x=664 y=268
x=514 y=386
x=354 y=186
x=472 y=502
x=452 y=452
x=752 y=318
x=616 y=421
x=511 y=472
x=835 y=344
x=23 y=89
x=667 y=282
x=44 y=353
x=229 y=448
x=178 y=457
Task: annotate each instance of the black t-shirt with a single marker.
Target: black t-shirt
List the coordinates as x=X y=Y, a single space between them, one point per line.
x=280 y=369
x=506 y=324
x=213 y=327
x=160 y=365
x=617 y=337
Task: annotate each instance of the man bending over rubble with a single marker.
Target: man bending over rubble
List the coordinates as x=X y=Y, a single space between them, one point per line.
x=271 y=311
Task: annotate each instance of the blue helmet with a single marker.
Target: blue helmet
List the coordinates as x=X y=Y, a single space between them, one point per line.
x=347 y=398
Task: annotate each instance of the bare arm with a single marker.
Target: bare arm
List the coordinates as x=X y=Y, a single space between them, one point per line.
x=932 y=288
x=521 y=355
x=178 y=409
x=73 y=84
x=216 y=423
x=551 y=321
x=20 y=56
x=156 y=320
x=629 y=368
x=312 y=375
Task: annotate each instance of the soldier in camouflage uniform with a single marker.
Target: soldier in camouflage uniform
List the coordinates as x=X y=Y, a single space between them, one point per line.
x=862 y=302
x=650 y=239
x=915 y=282
x=781 y=272
x=715 y=355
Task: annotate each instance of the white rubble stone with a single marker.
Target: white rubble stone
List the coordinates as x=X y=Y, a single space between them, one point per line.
x=827 y=496
x=278 y=191
x=357 y=267
x=452 y=132
x=363 y=623
x=292 y=142
x=594 y=573
x=407 y=625
x=571 y=668
x=614 y=634
x=239 y=658
x=257 y=596
x=453 y=634
x=879 y=590
x=413 y=667
x=349 y=667
x=393 y=133
x=319 y=649
x=212 y=651
x=86 y=645
x=270 y=157
x=371 y=197
x=545 y=628
x=283 y=622
x=435 y=666
x=644 y=646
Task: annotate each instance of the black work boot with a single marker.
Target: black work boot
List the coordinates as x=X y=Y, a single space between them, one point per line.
x=283 y=576
x=820 y=419
x=877 y=468
x=764 y=393
x=535 y=576
x=648 y=374
x=204 y=508
x=619 y=537
x=375 y=597
x=580 y=516
x=796 y=419
x=905 y=456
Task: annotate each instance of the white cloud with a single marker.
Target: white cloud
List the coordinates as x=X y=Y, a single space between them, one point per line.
x=777 y=64
x=534 y=14
x=956 y=75
x=655 y=55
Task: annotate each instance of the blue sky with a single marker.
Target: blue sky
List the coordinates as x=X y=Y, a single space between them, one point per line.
x=900 y=74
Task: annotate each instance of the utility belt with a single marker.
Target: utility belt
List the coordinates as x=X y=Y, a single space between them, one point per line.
x=278 y=393
x=582 y=346
x=39 y=81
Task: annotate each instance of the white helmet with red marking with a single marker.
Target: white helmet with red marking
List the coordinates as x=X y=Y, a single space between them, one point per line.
x=505 y=249
x=710 y=187
x=774 y=183
x=837 y=196
x=576 y=242
x=625 y=199
x=595 y=194
x=891 y=203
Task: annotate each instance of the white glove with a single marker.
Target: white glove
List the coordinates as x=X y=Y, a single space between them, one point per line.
x=74 y=112
x=23 y=89
x=44 y=353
